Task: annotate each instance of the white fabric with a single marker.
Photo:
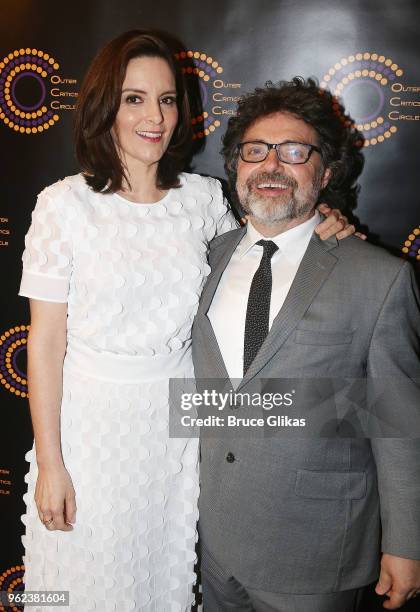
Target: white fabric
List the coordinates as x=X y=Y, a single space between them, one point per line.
x=129 y=369
x=227 y=311
x=131 y=275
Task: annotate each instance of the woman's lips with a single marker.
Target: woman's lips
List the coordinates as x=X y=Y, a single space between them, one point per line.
x=150 y=136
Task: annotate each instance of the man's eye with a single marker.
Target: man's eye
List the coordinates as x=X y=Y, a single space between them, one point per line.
x=295 y=152
x=255 y=150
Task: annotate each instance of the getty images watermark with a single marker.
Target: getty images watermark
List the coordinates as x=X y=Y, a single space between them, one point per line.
x=212 y=399
x=305 y=407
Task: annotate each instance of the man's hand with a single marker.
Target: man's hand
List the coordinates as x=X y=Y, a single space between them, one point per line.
x=399 y=580
x=335 y=224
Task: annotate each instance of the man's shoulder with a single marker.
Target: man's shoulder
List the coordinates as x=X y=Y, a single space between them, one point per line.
x=367 y=258
x=222 y=240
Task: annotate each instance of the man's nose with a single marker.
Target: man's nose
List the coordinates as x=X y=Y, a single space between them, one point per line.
x=271 y=162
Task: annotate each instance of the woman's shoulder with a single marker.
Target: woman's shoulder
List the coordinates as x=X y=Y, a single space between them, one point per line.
x=63 y=200
x=205 y=189
x=67 y=196
x=206 y=197
x=74 y=183
x=200 y=182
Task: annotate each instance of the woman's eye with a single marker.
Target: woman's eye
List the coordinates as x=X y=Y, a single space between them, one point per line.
x=168 y=100
x=133 y=99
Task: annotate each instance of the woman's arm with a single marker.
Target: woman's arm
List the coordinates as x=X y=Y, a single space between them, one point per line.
x=335 y=224
x=54 y=494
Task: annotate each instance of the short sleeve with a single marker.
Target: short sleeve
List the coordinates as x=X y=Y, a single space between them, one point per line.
x=47 y=258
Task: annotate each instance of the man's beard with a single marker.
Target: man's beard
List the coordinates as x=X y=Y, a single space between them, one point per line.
x=271 y=210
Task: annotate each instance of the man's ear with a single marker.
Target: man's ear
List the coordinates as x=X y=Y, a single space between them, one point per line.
x=326 y=177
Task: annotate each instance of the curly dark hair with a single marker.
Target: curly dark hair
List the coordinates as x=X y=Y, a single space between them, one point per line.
x=340 y=142
x=99 y=101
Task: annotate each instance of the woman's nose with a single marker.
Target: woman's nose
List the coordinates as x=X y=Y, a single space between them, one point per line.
x=154 y=112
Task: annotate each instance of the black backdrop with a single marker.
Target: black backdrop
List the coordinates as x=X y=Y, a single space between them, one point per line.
x=365 y=50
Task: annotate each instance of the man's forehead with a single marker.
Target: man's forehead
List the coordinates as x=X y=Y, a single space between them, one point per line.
x=287 y=125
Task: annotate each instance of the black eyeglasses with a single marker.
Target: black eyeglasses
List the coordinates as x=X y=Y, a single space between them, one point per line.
x=255 y=151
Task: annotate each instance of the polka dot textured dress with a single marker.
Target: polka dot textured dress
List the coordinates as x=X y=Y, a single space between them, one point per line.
x=131 y=275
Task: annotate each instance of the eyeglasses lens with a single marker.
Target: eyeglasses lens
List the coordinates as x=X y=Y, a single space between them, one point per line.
x=288 y=152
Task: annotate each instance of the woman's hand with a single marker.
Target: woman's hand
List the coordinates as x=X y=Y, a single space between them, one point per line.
x=55 y=498
x=335 y=224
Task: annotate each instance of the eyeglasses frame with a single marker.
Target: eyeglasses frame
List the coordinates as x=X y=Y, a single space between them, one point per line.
x=270 y=146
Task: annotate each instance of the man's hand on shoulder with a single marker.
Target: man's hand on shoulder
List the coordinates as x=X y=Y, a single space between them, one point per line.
x=399 y=580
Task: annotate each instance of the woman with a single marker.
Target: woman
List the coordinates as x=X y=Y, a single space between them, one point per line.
x=114 y=264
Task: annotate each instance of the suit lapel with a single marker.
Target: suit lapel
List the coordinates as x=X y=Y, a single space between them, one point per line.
x=220 y=256
x=221 y=253
x=316 y=266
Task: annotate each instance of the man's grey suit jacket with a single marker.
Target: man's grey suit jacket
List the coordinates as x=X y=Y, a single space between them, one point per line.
x=310 y=515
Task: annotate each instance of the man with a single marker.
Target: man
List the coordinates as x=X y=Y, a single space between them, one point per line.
x=294 y=524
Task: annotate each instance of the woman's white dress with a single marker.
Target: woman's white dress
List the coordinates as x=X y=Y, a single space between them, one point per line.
x=131 y=275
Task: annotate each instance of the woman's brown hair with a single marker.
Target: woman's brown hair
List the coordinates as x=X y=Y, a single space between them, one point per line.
x=98 y=104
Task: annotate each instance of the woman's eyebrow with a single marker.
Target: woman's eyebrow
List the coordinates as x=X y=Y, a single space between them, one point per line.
x=133 y=89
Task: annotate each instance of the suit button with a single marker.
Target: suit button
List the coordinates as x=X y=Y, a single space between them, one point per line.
x=230 y=457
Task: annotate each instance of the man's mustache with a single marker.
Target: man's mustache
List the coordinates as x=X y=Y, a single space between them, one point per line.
x=271 y=177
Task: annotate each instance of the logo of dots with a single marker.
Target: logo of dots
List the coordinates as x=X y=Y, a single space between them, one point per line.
x=11 y=581
x=371 y=75
x=412 y=244
x=205 y=68
x=12 y=344
x=24 y=78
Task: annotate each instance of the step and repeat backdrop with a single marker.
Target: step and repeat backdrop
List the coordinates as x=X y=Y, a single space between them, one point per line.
x=365 y=52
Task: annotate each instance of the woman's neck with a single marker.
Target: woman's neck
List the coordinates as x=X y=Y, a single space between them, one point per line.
x=141 y=186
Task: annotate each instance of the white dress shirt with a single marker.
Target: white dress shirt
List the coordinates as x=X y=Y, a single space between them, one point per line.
x=227 y=311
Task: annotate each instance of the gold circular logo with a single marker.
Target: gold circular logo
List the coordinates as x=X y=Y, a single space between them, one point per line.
x=371 y=75
x=24 y=81
x=12 y=343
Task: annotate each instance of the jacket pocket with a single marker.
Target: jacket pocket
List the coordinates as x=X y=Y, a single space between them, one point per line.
x=330 y=485
x=307 y=336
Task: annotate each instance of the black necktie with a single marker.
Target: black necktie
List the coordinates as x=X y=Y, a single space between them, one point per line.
x=258 y=309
